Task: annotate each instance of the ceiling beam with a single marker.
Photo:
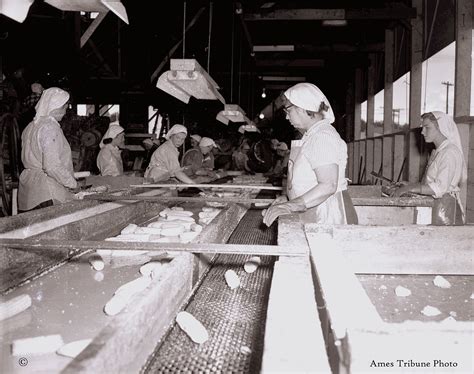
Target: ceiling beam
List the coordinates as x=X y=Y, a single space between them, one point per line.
x=332 y=14
x=297 y=62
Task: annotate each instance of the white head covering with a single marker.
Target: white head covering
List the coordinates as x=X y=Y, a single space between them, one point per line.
x=282 y=146
x=176 y=129
x=37 y=88
x=274 y=142
x=51 y=99
x=196 y=137
x=309 y=97
x=113 y=130
x=205 y=142
x=449 y=129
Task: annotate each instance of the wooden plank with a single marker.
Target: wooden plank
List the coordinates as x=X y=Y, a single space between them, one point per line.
x=145 y=320
x=224 y=186
x=371 y=95
x=369 y=160
x=74 y=245
x=177 y=198
x=387 y=157
x=280 y=353
x=92 y=27
x=404 y=250
x=388 y=83
x=347 y=303
x=331 y=14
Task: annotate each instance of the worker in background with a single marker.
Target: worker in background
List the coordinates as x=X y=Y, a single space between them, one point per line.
x=164 y=163
x=240 y=156
x=280 y=165
x=109 y=160
x=46 y=155
x=195 y=139
x=445 y=171
x=317 y=187
x=200 y=161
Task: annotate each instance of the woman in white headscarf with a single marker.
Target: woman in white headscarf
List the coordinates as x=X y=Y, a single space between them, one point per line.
x=200 y=161
x=46 y=155
x=164 y=163
x=445 y=171
x=317 y=187
x=109 y=160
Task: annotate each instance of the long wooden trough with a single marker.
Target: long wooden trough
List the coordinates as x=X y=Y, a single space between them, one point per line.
x=54 y=250
x=360 y=331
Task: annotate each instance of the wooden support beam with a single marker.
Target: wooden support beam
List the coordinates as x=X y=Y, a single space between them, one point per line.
x=92 y=27
x=462 y=93
x=75 y=245
x=357 y=103
x=413 y=154
x=332 y=14
x=299 y=62
x=388 y=83
x=371 y=95
x=369 y=159
x=387 y=157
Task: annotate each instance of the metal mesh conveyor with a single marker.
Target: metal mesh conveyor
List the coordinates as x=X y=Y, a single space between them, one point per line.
x=235 y=319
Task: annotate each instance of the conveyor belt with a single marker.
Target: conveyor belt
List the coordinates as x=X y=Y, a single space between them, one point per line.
x=235 y=319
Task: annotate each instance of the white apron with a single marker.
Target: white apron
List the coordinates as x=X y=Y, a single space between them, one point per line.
x=301 y=178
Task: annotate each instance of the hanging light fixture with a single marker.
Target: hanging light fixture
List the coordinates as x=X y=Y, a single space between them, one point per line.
x=187 y=78
x=231 y=112
x=15 y=9
x=100 y=6
x=264 y=95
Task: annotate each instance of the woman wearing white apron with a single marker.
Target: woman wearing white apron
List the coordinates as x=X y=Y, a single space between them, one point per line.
x=445 y=171
x=317 y=187
x=48 y=175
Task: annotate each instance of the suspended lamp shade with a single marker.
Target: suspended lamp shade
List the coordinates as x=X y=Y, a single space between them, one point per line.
x=15 y=9
x=249 y=127
x=187 y=78
x=231 y=112
x=92 y=6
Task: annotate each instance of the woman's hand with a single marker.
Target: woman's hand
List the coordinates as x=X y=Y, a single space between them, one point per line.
x=274 y=212
x=400 y=191
x=277 y=210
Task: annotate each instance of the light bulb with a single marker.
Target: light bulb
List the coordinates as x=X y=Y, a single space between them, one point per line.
x=261 y=116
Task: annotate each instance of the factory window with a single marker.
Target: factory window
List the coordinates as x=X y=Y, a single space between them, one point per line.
x=85 y=109
x=363 y=119
x=378 y=113
x=109 y=110
x=437 y=92
x=154 y=121
x=401 y=101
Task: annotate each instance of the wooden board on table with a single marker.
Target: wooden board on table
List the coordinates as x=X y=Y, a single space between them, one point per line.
x=403 y=249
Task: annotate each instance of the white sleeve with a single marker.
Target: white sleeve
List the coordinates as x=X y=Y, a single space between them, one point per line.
x=446 y=169
x=52 y=141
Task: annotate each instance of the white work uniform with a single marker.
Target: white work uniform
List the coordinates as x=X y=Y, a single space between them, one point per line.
x=164 y=162
x=444 y=169
x=320 y=145
x=109 y=161
x=46 y=155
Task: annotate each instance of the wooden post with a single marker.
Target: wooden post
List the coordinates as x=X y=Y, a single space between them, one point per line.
x=350 y=161
x=371 y=96
x=377 y=154
x=413 y=152
x=362 y=168
x=356 y=162
x=357 y=106
x=399 y=157
x=369 y=159
x=387 y=156
x=462 y=94
x=349 y=112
